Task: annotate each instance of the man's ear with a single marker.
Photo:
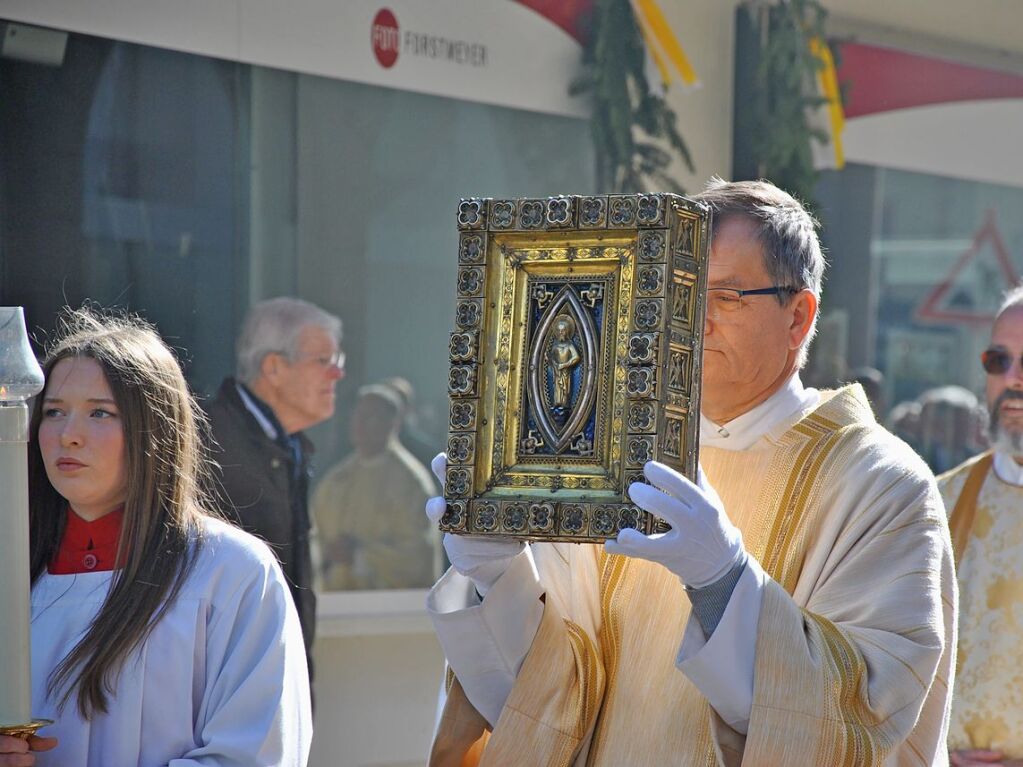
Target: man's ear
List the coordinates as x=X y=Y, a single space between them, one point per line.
x=271 y=367
x=803 y=308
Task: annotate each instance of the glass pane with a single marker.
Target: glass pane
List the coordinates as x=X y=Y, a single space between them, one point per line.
x=119 y=186
x=187 y=188
x=913 y=294
x=379 y=175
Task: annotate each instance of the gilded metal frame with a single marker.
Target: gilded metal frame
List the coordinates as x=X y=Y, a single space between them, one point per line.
x=575 y=359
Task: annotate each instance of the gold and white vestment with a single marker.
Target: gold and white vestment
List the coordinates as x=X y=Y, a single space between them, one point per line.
x=853 y=643
x=987 y=711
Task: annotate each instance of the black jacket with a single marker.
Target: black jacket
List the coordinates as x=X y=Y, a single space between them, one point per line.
x=260 y=487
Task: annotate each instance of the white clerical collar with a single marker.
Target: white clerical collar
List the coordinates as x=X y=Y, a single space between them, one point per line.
x=1007 y=469
x=268 y=428
x=787 y=404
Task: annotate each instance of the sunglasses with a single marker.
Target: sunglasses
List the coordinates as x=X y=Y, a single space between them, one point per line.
x=997 y=362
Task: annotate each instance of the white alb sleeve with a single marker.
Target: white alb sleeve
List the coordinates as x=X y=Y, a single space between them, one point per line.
x=722 y=668
x=486 y=642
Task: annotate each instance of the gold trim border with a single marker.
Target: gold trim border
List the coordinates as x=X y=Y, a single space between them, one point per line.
x=654 y=249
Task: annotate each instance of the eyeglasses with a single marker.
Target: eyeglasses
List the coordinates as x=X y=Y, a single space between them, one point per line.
x=337 y=359
x=729 y=300
x=996 y=361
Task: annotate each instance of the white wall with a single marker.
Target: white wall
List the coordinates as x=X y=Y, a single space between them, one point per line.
x=375 y=699
x=378 y=674
x=324 y=37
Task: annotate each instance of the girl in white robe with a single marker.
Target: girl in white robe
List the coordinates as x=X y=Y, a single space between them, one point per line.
x=175 y=642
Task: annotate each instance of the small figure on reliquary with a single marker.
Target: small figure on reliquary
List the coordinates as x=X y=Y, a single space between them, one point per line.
x=562 y=357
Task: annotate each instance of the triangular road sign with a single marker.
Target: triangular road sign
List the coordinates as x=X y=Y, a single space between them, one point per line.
x=972 y=290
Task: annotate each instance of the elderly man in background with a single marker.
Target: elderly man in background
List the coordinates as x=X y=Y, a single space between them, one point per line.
x=361 y=507
x=289 y=361
x=803 y=613
x=984 y=497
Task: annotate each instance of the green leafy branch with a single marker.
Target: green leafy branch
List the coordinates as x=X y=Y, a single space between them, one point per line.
x=785 y=92
x=615 y=76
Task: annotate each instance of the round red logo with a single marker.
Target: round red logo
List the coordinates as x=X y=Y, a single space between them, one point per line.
x=385 y=37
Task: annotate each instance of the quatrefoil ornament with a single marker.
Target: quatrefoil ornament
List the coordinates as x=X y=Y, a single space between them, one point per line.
x=574 y=359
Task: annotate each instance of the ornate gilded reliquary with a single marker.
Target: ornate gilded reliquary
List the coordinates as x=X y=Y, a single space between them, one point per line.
x=575 y=359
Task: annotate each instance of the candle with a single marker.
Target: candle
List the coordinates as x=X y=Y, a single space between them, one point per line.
x=20 y=378
x=15 y=684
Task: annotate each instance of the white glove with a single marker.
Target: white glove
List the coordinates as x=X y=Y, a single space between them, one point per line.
x=703 y=544
x=481 y=559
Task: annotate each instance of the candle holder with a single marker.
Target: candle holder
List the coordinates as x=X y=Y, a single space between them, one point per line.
x=25 y=731
x=20 y=379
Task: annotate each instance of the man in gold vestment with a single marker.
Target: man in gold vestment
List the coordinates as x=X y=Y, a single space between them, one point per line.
x=801 y=611
x=984 y=497
x=368 y=538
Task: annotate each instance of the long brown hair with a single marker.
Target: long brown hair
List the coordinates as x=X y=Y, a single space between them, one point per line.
x=161 y=530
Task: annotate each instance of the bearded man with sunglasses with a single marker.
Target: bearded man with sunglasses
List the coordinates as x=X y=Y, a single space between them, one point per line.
x=984 y=497
x=800 y=611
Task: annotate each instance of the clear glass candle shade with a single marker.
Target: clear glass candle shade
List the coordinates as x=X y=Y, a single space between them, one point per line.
x=20 y=374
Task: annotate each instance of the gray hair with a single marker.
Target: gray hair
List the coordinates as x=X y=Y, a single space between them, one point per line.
x=1012 y=298
x=273 y=327
x=786 y=230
